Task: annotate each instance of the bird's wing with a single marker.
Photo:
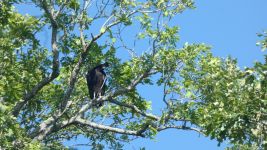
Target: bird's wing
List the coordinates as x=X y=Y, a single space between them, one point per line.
x=91 y=81
x=88 y=75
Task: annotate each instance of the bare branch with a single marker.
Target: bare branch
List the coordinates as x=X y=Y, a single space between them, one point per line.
x=82 y=37
x=106 y=128
x=181 y=128
x=105 y=23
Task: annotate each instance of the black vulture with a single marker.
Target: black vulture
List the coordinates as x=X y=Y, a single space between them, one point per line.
x=96 y=81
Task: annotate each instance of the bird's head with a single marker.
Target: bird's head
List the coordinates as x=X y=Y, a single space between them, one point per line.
x=106 y=64
x=103 y=66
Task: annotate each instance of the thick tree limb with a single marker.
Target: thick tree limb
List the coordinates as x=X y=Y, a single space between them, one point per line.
x=107 y=128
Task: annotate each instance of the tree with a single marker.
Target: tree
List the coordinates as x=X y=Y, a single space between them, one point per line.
x=43 y=88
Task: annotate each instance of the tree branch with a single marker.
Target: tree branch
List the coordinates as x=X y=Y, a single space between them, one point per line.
x=55 y=68
x=47 y=126
x=133 y=107
x=107 y=128
x=77 y=67
x=180 y=128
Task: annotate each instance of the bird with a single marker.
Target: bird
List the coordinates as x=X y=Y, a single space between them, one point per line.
x=96 y=79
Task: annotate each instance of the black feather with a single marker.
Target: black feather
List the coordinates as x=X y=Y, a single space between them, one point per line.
x=96 y=81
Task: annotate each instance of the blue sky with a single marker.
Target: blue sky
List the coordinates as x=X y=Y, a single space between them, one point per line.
x=230 y=27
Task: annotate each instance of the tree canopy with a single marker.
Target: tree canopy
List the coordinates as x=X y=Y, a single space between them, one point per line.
x=43 y=95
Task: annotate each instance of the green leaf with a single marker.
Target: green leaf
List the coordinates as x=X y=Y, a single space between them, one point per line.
x=103 y=30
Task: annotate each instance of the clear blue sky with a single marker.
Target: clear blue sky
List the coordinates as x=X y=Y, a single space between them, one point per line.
x=230 y=27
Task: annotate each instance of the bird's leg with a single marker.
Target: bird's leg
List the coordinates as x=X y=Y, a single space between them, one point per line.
x=103 y=83
x=95 y=95
x=100 y=93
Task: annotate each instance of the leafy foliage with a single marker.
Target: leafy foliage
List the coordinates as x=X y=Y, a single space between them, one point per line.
x=263 y=42
x=45 y=83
